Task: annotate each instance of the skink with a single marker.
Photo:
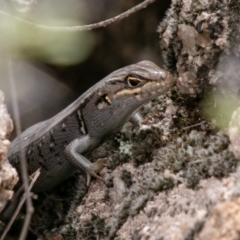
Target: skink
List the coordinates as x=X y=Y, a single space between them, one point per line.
x=59 y=145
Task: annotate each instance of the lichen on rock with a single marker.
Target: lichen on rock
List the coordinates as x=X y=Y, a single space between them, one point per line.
x=195 y=36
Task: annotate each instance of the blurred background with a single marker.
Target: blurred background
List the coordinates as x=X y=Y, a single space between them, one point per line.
x=52 y=69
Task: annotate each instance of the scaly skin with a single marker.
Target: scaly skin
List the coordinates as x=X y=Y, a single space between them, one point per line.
x=59 y=146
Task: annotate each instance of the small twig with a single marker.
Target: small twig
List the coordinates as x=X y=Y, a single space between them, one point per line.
x=23 y=163
x=195 y=125
x=9 y=203
x=84 y=27
x=197 y=161
x=34 y=177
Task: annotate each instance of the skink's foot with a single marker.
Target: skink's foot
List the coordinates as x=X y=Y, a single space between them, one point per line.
x=73 y=155
x=96 y=168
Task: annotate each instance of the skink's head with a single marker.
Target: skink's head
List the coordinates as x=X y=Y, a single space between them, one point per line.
x=139 y=82
x=122 y=92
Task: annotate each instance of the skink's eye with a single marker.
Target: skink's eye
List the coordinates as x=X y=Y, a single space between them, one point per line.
x=133 y=81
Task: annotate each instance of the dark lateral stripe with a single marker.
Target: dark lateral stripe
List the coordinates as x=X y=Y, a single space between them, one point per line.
x=40 y=162
x=79 y=122
x=101 y=99
x=82 y=127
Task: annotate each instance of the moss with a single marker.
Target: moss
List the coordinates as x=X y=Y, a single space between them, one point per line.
x=127 y=178
x=119 y=219
x=52 y=209
x=139 y=194
x=197 y=157
x=144 y=145
x=93 y=229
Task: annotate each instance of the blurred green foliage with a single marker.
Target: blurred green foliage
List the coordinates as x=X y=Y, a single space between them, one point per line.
x=218 y=108
x=60 y=48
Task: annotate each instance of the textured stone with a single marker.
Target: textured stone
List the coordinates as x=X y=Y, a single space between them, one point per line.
x=195 y=36
x=223 y=223
x=8 y=174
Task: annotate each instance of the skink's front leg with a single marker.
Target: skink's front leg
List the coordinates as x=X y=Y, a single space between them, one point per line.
x=74 y=155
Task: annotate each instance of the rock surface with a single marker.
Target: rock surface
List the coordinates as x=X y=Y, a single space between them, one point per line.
x=177 y=177
x=8 y=174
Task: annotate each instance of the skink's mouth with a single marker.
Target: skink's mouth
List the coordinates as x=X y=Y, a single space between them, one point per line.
x=163 y=86
x=156 y=88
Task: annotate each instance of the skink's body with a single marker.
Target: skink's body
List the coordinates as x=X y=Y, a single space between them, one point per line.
x=58 y=146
